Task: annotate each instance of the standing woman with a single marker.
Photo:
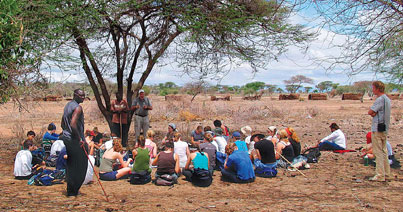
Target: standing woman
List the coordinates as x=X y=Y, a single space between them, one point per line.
x=73 y=138
x=119 y=108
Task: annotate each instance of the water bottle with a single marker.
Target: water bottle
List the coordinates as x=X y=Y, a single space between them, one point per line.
x=366 y=160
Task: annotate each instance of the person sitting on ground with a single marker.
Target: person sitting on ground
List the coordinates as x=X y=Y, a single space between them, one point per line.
x=181 y=149
x=51 y=134
x=30 y=136
x=61 y=162
x=207 y=129
x=167 y=162
x=91 y=162
x=284 y=148
x=368 y=152
x=239 y=143
x=109 y=158
x=98 y=137
x=218 y=131
x=141 y=157
x=170 y=134
x=199 y=174
x=238 y=167
x=57 y=147
x=335 y=141
x=219 y=142
x=89 y=136
x=263 y=157
x=294 y=140
x=150 y=145
x=247 y=132
x=24 y=161
x=197 y=135
x=272 y=131
x=210 y=149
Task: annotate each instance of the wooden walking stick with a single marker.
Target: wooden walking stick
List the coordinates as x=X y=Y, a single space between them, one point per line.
x=292 y=165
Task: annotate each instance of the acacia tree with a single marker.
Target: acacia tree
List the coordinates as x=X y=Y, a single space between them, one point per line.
x=195 y=88
x=373 y=34
x=295 y=82
x=116 y=39
x=324 y=86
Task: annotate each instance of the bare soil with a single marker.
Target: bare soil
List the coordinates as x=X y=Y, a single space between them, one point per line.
x=337 y=183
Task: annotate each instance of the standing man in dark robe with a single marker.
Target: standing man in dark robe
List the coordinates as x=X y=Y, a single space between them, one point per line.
x=73 y=134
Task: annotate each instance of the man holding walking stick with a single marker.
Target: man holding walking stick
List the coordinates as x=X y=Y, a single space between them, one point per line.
x=119 y=107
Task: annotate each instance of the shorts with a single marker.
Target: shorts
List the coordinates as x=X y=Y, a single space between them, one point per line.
x=108 y=176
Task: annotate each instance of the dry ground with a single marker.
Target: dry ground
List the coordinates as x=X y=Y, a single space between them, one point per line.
x=337 y=183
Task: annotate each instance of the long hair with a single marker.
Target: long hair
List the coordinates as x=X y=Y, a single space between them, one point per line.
x=117 y=145
x=141 y=141
x=293 y=134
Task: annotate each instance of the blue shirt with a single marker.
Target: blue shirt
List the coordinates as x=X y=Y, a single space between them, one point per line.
x=239 y=161
x=50 y=137
x=200 y=161
x=241 y=145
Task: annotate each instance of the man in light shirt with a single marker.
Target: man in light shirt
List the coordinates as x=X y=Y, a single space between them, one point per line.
x=335 y=141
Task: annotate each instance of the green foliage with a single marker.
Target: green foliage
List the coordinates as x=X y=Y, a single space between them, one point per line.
x=252 y=87
x=324 y=86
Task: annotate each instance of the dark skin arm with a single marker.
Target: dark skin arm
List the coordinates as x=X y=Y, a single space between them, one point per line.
x=76 y=114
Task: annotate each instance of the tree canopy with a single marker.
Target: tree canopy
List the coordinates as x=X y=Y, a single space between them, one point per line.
x=373 y=34
x=120 y=38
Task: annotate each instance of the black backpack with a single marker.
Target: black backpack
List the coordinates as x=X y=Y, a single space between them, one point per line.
x=140 y=178
x=312 y=154
x=202 y=177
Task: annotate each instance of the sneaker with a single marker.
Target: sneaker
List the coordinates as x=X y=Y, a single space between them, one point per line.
x=377 y=178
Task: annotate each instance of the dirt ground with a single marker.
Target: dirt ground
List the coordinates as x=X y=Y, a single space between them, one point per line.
x=337 y=183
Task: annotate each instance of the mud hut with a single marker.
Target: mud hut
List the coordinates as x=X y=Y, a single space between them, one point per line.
x=291 y=96
x=317 y=96
x=351 y=96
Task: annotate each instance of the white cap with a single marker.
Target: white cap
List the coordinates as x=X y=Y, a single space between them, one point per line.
x=141 y=91
x=246 y=130
x=272 y=128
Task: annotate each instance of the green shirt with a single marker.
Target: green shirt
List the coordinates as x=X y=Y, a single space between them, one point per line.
x=142 y=160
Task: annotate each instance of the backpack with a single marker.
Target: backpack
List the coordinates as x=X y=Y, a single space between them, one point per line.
x=165 y=180
x=266 y=173
x=312 y=155
x=47 y=177
x=201 y=177
x=140 y=178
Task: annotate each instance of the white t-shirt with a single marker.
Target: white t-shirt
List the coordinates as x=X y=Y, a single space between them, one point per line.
x=336 y=137
x=219 y=142
x=90 y=171
x=180 y=148
x=57 y=146
x=23 y=163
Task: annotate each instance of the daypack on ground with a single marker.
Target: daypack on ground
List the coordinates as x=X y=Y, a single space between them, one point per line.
x=165 y=180
x=46 y=177
x=312 y=154
x=266 y=173
x=140 y=178
x=202 y=177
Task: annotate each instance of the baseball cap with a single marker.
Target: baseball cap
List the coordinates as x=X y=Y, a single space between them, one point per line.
x=236 y=134
x=272 y=128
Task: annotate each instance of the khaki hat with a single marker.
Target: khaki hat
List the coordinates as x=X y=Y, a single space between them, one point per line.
x=246 y=130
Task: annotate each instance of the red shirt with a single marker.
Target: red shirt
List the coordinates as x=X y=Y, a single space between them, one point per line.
x=119 y=106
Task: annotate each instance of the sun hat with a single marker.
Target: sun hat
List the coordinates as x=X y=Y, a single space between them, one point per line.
x=246 y=130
